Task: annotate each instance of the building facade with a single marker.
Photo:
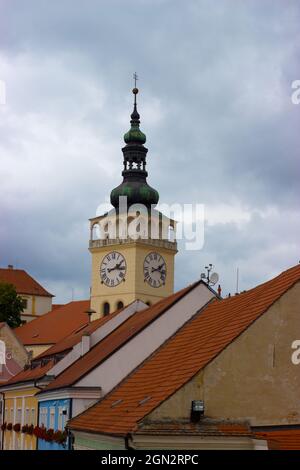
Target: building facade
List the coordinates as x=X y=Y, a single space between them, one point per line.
x=37 y=300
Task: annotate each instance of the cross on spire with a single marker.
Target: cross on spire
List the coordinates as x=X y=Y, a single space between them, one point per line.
x=135 y=78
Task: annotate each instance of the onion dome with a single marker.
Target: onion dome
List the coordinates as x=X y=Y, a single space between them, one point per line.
x=134 y=184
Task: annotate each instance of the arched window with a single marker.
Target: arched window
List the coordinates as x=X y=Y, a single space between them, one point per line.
x=120 y=305
x=96 y=232
x=171 y=233
x=106 y=308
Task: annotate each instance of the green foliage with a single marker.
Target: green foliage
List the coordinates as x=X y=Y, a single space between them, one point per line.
x=11 y=305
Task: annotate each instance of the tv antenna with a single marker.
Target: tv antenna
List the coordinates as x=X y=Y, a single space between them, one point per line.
x=210 y=278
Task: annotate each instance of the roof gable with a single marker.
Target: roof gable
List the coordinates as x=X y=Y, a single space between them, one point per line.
x=23 y=282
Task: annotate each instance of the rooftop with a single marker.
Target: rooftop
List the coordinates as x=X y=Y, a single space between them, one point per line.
x=115 y=340
x=23 y=282
x=195 y=345
x=55 y=325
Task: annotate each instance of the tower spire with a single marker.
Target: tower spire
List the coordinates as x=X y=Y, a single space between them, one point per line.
x=134 y=184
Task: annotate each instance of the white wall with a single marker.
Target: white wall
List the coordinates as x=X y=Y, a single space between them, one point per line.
x=122 y=362
x=97 y=336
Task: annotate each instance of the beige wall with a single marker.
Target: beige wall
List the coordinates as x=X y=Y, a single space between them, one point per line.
x=12 y=344
x=36 y=305
x=254 y=378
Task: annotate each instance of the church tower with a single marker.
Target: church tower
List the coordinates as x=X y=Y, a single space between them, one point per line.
x=133 y=246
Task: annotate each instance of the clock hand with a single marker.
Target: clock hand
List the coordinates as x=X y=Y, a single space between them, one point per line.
x=118 y=266
x=157 y=269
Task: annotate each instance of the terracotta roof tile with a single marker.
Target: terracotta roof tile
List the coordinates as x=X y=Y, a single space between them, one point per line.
x=23 y=282
x=114 y=340
x=283 y=439
x=55 y=325
x=30 y=374
x=71 y=340
x=178 y=360
x=205 y=427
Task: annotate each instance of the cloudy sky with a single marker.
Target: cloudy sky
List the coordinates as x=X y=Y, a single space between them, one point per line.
x=215 y=104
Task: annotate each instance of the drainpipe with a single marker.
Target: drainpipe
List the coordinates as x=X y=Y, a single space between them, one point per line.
x=127 y=439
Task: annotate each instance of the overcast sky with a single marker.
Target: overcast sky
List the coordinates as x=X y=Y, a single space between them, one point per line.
x=215 y=104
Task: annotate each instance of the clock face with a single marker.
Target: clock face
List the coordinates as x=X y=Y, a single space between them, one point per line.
x=155 y=270
x=113 y=269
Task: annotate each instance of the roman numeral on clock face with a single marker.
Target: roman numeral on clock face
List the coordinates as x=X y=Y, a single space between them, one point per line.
x=113 y=269
x=155 y=270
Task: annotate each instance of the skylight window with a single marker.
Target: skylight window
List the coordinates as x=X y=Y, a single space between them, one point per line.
x=116 y=403
x=142 y=402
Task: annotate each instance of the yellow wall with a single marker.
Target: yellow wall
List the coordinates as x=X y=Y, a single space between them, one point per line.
x=134 y=286
x=14 y=400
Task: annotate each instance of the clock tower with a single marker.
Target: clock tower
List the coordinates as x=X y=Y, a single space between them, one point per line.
x=133 y=246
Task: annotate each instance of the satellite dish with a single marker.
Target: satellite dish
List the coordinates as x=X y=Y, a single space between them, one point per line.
x=214 y=278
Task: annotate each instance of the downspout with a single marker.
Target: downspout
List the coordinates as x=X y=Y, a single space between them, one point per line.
x=128 y=438
x=38 y=413
x=3 y=416
x=69 y=434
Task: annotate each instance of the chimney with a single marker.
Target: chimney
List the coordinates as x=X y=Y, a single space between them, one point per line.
x=89 y=313
x=219 y=290
x=85 y=343
x=10 y=266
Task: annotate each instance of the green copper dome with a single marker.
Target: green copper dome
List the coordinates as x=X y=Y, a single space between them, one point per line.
x=137 y=193
x=134 y=135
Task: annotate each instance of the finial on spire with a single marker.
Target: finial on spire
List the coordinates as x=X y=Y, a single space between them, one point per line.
x=135 y=117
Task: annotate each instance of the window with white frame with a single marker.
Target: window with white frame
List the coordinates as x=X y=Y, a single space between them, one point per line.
x=33 y=416
x=27 y=416
x=52 y=417
x=19 y=415
x=60 y=418
x=43 y=416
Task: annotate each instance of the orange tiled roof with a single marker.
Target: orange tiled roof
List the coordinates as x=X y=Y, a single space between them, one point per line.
x=114 y=340
x=69 y=341
x=206 y=427
x=179 y=359
x=55 y=325
x=23 y=282
x=284 y=439
x=30 y=374
x=54 y=306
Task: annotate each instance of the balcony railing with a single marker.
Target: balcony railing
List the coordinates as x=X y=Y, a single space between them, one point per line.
x=170 y=245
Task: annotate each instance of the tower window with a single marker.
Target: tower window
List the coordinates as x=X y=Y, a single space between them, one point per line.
x=120 y=305
x=106 y=308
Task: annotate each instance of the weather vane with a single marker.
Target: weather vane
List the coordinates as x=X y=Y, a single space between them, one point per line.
x=135 y=78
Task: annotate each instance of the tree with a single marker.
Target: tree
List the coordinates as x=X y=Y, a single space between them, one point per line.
x=11 y=305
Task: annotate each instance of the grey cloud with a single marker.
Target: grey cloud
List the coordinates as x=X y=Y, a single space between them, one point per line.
x=215 y=106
